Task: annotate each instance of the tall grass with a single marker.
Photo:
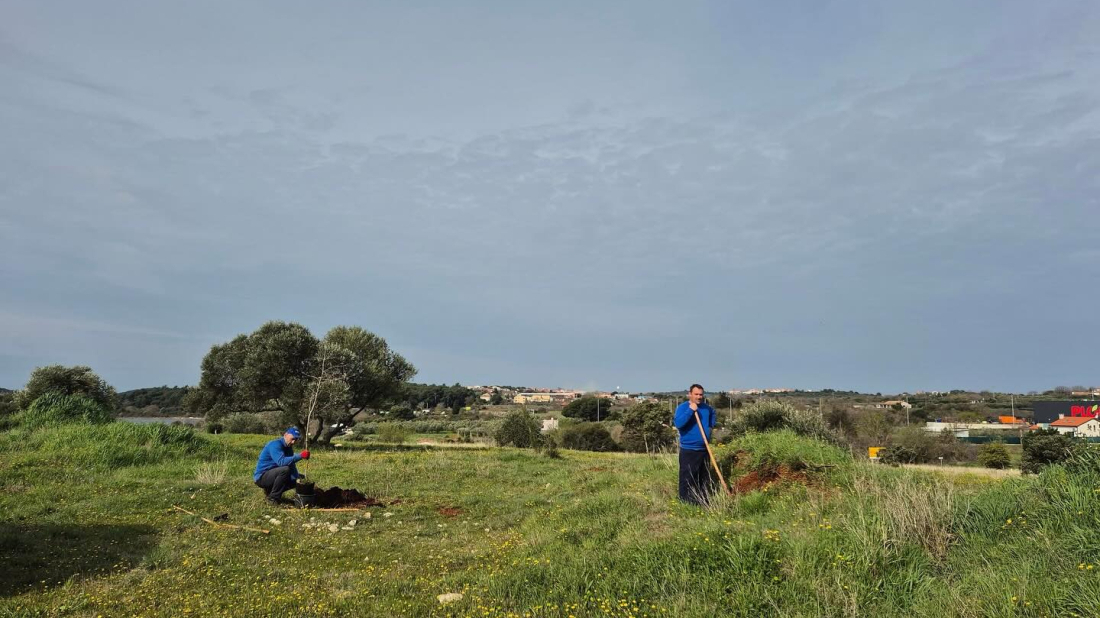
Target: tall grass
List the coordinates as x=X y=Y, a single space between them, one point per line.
x=106 y=446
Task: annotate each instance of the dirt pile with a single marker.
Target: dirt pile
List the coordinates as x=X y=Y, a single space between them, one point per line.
x=335 y=497
x=763 y=477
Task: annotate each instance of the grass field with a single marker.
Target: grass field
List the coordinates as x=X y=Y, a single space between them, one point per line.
x=89 y=530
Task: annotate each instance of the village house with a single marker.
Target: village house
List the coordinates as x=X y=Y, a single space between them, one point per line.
x=1078 y=426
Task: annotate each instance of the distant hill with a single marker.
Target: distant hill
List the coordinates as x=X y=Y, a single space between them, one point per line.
x=155 y=401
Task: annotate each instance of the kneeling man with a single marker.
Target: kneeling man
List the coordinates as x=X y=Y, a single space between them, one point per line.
x=275 y=470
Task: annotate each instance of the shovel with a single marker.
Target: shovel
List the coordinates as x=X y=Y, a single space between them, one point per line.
x=713 y=461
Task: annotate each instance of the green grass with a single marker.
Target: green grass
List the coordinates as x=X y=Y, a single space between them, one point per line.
x=585 y=535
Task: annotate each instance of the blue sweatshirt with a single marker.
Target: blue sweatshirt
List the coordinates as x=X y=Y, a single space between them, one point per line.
x=689 y=429
x=276 y=454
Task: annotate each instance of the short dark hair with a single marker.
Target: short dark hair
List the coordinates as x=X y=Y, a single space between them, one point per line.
x=697 y=386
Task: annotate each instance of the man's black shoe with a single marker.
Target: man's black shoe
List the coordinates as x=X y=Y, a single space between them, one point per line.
x=277 y=501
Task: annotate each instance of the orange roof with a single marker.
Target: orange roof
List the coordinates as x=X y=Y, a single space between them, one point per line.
x=1072 y=421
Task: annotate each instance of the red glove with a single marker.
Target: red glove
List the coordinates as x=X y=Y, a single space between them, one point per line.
x=305 y=454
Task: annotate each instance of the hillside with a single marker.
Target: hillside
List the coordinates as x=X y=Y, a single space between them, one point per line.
x=517 y=533
x=155 y=401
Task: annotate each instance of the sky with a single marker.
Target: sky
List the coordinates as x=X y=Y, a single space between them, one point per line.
x=632 y=195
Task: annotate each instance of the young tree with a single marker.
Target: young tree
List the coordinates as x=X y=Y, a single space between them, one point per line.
x=519 y=429
x=646 y=428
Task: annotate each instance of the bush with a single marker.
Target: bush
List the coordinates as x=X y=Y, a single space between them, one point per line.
x=771 y=415
x=393 y=433
x=402 y=413
x=78 y=380
x=588 y=409
x=551 y=442
x=784 y=448
x=646 y=428
x=588 y=437
x=244 y=422
x=1044 y=447
x=915 y=445
x=54 y=408
x=214 y=427
x=994 y=455
x=520 y=430
x=899 y=454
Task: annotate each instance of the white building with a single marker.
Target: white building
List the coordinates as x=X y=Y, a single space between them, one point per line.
x=1078 y=426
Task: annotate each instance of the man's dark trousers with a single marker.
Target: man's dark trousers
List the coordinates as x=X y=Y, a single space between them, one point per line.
x=696 y=480
x=275 y=481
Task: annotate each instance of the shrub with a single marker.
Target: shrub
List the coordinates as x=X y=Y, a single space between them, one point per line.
x=646 y=428
x=915 y=445
x=403 y=413
x=899 y=454
x=78 y=380
x=244 y=422
x=394 y=433
x=551 y=442
x=994 y=455
x=780 y=448
x=54 y=408
x=214 y=427
x=1044 y=447
x=771 y=415
x=519 y=429
x=588 y=437
x=588 y=409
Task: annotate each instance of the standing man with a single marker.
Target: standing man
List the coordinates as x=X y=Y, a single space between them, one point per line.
x=696 y=480
x=275 y=470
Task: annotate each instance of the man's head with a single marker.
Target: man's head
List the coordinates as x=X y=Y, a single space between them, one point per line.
x=695 y=394
x=291 y=435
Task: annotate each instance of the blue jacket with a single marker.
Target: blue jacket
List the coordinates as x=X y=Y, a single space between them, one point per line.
x=274 y=455
x=689 y=429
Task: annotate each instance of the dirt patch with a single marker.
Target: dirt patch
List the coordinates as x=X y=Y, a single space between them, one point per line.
x=449 y=511
x=765 y=477
x=335 y=497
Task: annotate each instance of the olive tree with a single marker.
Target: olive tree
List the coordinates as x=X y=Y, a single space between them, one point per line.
x=315 y=384
x=77 y=380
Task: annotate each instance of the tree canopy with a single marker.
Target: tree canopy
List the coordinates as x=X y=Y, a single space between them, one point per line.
x=314 y=383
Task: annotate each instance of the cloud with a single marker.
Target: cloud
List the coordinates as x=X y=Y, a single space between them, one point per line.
x=459 y=199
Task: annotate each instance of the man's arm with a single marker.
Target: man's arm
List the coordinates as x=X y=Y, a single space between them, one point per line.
x=280 y=458
x=685 y=417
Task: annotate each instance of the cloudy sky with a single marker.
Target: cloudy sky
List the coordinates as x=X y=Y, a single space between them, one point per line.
x=849 y=194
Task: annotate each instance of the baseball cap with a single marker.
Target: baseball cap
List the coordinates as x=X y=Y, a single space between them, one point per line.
x=294 y=432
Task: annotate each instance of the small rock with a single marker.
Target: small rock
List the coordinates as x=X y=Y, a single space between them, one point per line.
x=450 y=597
x=333 y=527
x=366 y=515
x=275 y=522
x=351 y=523
x=346 y=528
x=387 y=514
